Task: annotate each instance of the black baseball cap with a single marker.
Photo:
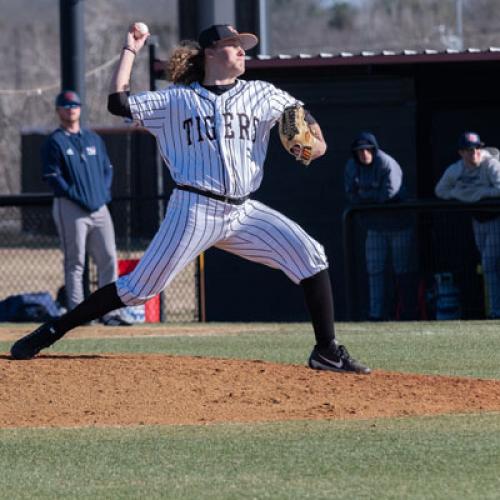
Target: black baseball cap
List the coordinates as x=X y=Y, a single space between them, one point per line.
x=218 y=32
x=470 y=140
x=68 y=98
x=364 y=140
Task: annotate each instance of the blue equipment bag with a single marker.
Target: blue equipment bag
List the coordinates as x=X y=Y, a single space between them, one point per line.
x=29 y=307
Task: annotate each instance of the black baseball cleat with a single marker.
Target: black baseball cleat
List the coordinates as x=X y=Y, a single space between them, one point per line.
x=336 y=358
x=30 y=345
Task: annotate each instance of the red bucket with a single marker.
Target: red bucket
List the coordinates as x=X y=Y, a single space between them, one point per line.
x=152 y=306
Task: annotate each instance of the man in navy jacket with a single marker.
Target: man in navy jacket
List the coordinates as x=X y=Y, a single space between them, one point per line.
x=77 y=167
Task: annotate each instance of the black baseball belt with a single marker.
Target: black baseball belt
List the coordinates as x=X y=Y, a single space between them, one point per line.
x=208 y=194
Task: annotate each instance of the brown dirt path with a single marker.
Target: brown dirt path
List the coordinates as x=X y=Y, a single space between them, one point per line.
x=118 y=390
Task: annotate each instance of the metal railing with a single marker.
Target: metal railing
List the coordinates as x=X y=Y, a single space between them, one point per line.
x=444 y=247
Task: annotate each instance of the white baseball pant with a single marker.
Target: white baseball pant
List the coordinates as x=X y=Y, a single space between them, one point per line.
x=194 y=223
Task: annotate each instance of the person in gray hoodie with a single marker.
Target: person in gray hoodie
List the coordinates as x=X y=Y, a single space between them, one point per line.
x=474 y=177
x=372 y=176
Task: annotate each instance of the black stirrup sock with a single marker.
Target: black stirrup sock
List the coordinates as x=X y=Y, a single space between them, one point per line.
x=319 y=301
x=94 y=306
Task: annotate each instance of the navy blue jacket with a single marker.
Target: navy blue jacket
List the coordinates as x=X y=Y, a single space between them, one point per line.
x=77 y=167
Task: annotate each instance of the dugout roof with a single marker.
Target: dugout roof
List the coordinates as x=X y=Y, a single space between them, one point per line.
x=369 y=57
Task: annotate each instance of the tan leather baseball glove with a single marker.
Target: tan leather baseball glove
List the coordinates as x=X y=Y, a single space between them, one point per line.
x=295 y=134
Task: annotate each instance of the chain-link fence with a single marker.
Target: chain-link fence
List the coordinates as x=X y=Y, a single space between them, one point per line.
x=422 y=260
x=31 y=259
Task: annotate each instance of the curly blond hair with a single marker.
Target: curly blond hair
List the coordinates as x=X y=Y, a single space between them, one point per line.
x=185 y=63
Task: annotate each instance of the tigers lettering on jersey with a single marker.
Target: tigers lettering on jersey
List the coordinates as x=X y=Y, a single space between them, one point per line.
x=216 y=143
x=240 y=126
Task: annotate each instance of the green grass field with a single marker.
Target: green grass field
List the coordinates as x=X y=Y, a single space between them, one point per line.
x=451 y=456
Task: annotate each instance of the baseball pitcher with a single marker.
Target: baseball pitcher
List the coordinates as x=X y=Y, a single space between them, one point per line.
x=212 y=130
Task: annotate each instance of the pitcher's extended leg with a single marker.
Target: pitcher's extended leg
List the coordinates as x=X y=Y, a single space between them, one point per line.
x=96 y=305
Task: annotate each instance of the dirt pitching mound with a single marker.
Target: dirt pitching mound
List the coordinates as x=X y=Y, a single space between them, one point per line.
x=117 y=390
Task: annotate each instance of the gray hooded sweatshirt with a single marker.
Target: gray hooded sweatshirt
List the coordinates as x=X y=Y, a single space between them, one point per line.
x=379 y=182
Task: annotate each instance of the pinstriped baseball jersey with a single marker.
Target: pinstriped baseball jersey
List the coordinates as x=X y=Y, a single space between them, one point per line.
x=217 y=143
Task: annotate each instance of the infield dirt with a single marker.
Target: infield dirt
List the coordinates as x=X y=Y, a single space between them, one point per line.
x=117 y=390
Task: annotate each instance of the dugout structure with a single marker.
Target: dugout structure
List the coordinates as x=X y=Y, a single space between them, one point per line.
x=417 y=104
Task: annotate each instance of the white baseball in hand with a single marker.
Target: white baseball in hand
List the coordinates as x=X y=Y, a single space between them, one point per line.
x=140 y=29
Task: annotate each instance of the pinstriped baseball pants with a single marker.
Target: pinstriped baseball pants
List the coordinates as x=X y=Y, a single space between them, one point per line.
x=487 y=238
x=378 y=245
x=194 y=223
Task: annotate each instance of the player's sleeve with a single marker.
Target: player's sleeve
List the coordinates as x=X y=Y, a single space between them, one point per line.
x=149 y=108
x=351 y=182
x=52 y=160
x=118 y=104
x=492 y=190
x=391 y=179
x=278 y=101
x=444 y=188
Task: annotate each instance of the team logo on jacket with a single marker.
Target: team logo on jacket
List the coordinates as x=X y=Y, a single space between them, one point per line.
x=91 y=150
